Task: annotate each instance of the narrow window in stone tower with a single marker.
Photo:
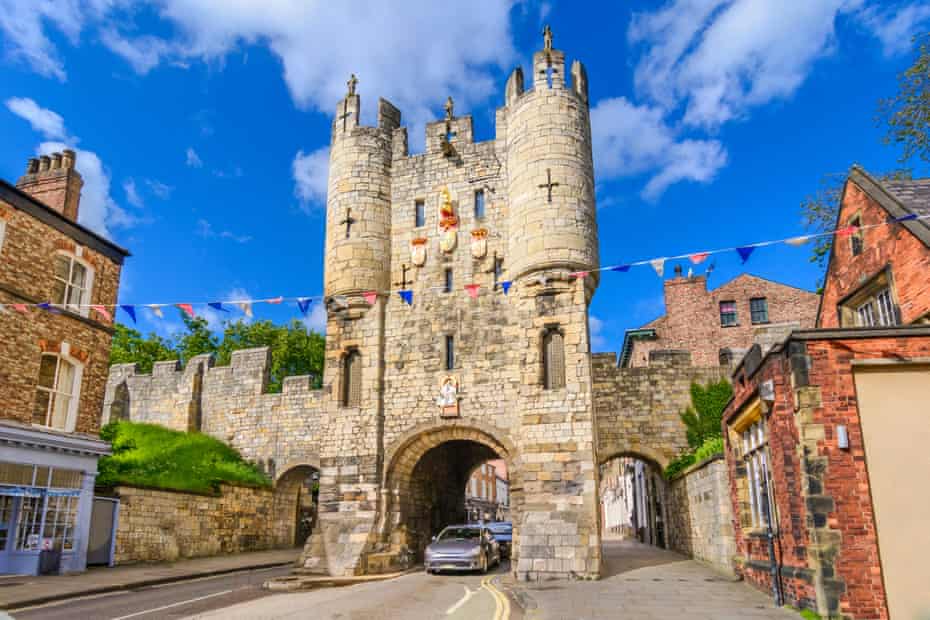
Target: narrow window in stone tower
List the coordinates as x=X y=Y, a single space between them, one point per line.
x=352 y=379
x=420 y=213
x=447 y=285
x=479 y=204
x=553 y=359
x=498 y=270
x=450 y=352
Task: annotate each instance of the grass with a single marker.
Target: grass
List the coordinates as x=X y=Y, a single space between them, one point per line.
x=710 y=447
x=153 y=456
x=807 y=614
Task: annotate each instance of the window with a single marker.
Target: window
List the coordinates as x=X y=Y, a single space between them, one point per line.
x=29 y=524
x=420 y=213
x=450 y=352
x=856 y=240
x=553 y=359
x=759 y=310
x=877 y=311
x=60 y=513
x=447 y=285
x=56 y=392
x=755 y=442
x=479 y=204
x=498 y=270
x=352 y=379
x=72 y=283
x=727 y=313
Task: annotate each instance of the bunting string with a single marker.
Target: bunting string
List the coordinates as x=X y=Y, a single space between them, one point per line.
x=303 y=303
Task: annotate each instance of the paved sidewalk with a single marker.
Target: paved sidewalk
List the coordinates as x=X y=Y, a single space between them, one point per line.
x=19 y=591
x=647 y=583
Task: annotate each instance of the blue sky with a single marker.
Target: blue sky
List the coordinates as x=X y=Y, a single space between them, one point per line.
x=202 y=126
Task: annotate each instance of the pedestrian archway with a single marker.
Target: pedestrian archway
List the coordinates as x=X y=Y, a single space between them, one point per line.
x=633 y=499
x=296 y=500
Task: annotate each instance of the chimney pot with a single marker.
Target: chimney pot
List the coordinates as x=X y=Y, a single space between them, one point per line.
x=68 y=158
x=56 y=161
x=678 y=271
x=44 y=162
x=32 y=165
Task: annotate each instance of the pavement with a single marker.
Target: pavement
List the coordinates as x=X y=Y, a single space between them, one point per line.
x=18 y=591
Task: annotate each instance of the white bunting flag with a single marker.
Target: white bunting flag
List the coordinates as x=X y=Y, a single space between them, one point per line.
x=659 y=265
x=156 y=310
x=246 y=307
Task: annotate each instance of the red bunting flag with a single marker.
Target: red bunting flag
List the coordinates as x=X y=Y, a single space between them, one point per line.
x=698 y=258
x=187 y=309
x=472 y=290
x=370 y=297
x=580 y=274
x=103 y=312
x=846 y=231
x=19 y=308
x=275 y=300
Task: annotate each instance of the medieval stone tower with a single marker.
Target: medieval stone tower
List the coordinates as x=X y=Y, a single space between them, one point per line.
x=491 y=359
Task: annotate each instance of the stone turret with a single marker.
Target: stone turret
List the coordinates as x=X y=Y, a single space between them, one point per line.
x=551 y=189
x=53 y=180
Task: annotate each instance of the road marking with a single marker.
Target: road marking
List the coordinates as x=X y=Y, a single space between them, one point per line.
x=463 y=600
x=178 y=604
x=209 y=577
x=502 y=604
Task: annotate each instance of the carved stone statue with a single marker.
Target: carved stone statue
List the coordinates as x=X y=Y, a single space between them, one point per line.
x=547 y=37
x=351 y=84
x=448 y=399
x=449 y=108
x=448 y=222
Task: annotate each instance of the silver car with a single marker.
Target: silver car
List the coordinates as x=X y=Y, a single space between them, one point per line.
x=462 y=547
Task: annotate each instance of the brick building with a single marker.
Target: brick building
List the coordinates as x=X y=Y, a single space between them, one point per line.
x=482 y=501
x=718 y=326
x=53 y=364
x=879 y=276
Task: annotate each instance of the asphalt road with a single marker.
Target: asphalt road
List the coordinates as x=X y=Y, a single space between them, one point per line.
x=413 y=597
x=174 y=600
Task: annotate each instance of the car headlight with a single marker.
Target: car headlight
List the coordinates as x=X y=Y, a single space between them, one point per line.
x=474 y=552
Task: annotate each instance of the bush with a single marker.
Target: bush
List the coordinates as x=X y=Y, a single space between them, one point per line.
x=710 y=447
x=680 y=464
x=702 y=419
x=153 y=456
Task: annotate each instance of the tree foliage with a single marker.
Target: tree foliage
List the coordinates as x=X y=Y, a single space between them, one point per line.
x=702 y=418
x=908 y=112
x=295 y=350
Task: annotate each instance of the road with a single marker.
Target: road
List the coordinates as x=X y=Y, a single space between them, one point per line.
x=412 y=597
x=174 y=600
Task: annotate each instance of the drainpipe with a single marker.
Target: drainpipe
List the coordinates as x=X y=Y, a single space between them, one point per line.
x=774 y=565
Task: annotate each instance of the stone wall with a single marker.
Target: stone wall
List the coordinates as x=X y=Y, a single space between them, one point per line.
x=163 y=526
x=701 y=515
x=227 y=402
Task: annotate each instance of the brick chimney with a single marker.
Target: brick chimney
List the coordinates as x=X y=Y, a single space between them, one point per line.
x=53 y=180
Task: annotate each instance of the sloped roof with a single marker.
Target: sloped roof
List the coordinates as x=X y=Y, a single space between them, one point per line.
x=914 y=195
x=898 y=198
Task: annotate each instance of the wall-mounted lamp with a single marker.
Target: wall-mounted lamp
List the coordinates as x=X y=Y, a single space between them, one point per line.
x=842 y=437
x=767 y=391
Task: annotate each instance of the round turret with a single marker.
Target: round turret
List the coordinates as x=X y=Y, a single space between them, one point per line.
x=551 y=173
x=358 y=207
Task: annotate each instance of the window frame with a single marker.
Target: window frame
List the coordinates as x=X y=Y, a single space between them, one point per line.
x=449 y=352
x=351 y=372
x=82 y=306
x=498 y=270
x=856 y=239
x=448 y=280
x=764 y=312
x=480 y=206
x=419 y=213
x=750 y=442
x=553 y=380
x=74 y=396
x=735 y=313
x=875 y=299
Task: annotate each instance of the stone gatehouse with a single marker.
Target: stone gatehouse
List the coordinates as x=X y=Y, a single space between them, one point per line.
x=485 y=355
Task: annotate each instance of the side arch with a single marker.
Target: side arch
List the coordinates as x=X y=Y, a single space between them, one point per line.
x=657 y=457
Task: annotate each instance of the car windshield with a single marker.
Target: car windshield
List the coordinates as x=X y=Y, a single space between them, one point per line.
x=500 y=528
x=460 y=533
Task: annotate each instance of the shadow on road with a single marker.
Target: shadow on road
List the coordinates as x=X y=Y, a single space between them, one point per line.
x=623 y=556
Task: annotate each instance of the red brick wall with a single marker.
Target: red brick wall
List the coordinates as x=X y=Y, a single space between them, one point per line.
x=26 y=276
x=835 y=503
x=692 y=320
x=908 y=257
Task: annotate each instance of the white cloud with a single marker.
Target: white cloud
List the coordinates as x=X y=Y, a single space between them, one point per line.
x=895 y=27
x=311 y=175
x=205 y=230
x=596 y=327
x=631 y=140
x=316 y=320
x=132 y=193
x=192 y=158
x=159 y=189
x=24 y=37
x=50 y=124
x=98 y=210
x=143 y=53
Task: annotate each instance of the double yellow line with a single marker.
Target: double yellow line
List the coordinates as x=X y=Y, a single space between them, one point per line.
x=501 y=602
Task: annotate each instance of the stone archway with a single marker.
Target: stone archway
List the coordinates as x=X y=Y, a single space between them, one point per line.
x=296 y=500
x=425 y=479
x=632 y=482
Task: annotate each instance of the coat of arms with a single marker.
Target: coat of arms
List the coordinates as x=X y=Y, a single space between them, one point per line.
x=479 y=243
x=448 y=399
x=448 y=223
x=418 y=251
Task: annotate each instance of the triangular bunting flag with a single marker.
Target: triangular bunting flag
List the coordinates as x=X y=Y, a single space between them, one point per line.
x=580 y=274
x=799 y=241
x=246 y=307
x=904 y=218
x=407 y=296
x=19 y=308
x=49 y=307
x=846 y=231
x=3 y=310
x=156 y=310
x=217 y=305
x=371 y=297
x=698 y=258
x=472 y=290
x=304 y=304
x=275 y=300
x=130 y=310
x=186 y=309
x=622 y=268
x=505 y=285
x=659 y=265
x=103 y=312
x=745 y=252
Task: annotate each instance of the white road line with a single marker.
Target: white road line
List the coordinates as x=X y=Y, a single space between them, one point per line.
x=209 y=577
x=462 y=601
x=178 y=604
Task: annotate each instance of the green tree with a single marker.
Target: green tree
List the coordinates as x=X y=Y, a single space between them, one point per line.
x=294 y=349
x=908 y=111
x=197 y=338
x=702 y=419
x=129 y=346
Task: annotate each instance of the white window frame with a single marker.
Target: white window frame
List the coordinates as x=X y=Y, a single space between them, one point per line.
x=878 y=311
x=755 y=455
x=81 y=307
x=74 y=396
